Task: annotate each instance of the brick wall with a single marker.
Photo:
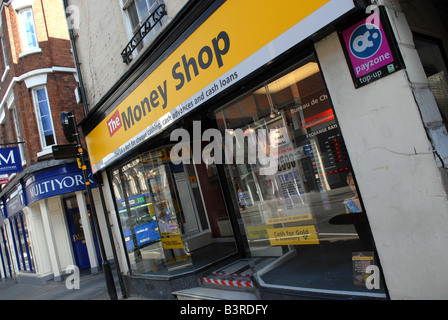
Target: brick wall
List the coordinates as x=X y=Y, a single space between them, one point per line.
x=54 y=42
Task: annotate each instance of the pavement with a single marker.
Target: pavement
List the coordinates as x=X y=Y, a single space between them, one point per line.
x=91 y=287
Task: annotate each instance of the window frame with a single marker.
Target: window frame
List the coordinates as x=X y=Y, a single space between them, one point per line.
x=23 y=32
x=131 y=13
x=5 y=57
x=18 y=132
x=39 y=117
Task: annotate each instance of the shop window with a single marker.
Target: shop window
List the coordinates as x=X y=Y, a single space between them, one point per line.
x=173 y=217
x=22 y=243
x=305 y=223
x=5 y=254
x=434 y=63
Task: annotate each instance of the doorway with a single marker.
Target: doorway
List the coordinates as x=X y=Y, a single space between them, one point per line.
x=77 y=236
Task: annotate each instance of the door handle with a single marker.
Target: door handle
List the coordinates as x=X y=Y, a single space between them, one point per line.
x=75 y=237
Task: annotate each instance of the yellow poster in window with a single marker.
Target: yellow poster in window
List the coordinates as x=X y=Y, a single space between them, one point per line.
x=171 y=240
x=258 y=232
x=293 y=236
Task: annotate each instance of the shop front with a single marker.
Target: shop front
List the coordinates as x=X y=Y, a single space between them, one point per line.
x=229 y=149
x=47 y=226
x=173 y=217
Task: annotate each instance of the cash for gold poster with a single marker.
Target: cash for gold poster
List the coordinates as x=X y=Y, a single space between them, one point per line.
x=171 y=240
x=304 y=235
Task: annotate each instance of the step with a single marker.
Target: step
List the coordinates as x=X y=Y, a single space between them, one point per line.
x=204 y=293
x=230 y=281
x=238 y=268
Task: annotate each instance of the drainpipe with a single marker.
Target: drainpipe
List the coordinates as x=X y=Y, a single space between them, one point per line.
x=75 y=56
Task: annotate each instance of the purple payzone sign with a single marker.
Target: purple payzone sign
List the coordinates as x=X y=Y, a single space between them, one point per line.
x=368 y=48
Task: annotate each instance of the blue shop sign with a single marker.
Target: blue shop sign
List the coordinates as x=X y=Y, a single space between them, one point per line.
x=10 y=160
x=55 y=181
x=14 y=205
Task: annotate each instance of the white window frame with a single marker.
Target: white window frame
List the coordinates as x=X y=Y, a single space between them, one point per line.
x=44 y=145
x=26 y=48
x=131 y=29
x=5 y=59
x=18 y=133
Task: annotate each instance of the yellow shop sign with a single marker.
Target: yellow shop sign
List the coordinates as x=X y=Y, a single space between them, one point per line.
x=236 y=40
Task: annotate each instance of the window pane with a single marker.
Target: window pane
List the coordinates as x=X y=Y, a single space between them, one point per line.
x=164 y=219
x=49 y=140
x=304 y=220
x=46 y=125
x=43 y=109
x=41 y=94
x=45 y=119
x=133 y=16
x=429 y=51
x=142 y=8
x=28 y=32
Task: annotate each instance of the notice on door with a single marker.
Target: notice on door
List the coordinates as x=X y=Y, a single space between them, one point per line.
x=304 y=235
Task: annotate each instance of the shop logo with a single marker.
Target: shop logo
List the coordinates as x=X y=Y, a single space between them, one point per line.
x=365 y=41
x=114 y=123
x=10 y=160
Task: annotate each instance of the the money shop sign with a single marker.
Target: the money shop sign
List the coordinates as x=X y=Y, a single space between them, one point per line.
x=239 y=38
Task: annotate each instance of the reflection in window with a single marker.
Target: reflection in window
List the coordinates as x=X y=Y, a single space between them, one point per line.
x=301 y=222
x=430 y=53
x=165 y=223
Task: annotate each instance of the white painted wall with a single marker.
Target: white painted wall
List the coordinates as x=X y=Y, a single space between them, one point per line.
x=60 y=233
x=102 y=224
x=397 y=173
x=120 y=249
x=102 y=35
x=39 y=244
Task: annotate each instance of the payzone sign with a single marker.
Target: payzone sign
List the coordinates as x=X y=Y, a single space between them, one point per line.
x=10 y=161
x=369 y=50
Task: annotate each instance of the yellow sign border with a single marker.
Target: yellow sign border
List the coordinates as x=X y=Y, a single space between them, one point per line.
x=152 y=101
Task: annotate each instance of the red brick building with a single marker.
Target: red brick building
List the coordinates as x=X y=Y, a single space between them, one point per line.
x=45 y=62
x=38 y=81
